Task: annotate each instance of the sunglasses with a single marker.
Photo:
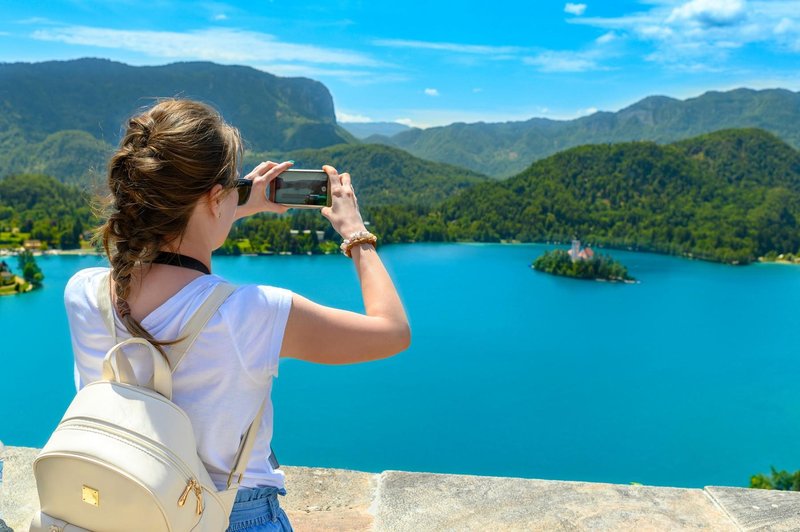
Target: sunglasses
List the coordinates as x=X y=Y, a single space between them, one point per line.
x=243 y=188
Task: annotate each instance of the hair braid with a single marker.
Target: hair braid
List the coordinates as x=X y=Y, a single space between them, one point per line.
x=170 y=156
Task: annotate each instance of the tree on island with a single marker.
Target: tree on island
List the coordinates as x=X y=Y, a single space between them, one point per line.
x=559 y=262
x=30 y=270
x=778 y=480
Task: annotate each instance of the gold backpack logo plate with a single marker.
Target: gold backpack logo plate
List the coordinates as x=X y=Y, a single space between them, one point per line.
x=90 y=496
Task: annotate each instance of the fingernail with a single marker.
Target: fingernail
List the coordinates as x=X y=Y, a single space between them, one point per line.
x=290 y=161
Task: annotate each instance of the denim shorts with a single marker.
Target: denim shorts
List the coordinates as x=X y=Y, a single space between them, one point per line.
x=257 y=510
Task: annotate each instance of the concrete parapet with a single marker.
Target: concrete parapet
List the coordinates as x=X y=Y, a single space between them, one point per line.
x=334 y=499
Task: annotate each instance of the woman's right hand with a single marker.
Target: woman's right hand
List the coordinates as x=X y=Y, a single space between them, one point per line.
x=261 y=176
x=343 y=212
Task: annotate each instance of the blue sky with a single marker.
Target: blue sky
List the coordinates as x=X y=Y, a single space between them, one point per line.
x=434 y=63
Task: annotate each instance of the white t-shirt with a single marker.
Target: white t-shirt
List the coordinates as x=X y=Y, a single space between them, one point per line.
x=223 y=378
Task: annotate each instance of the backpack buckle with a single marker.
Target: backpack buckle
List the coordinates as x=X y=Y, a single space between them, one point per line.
x=230 y=479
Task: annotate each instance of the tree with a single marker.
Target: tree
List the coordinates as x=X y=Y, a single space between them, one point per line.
x=30 y=270
x=778 y=480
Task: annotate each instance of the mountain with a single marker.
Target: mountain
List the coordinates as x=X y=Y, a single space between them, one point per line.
x=729 y=196
x=383 y=175
x=97 y=96
x=503 y=149
x=71 y=156
x=362 y=130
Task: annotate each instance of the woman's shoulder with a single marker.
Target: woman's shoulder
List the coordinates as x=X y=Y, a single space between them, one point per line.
x=83 y=281
x=249 y=297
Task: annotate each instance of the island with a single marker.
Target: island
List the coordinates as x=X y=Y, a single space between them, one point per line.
x=582 y=263
x=32 y=275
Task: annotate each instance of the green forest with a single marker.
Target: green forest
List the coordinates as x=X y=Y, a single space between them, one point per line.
x=730 y=196
x=41 y=208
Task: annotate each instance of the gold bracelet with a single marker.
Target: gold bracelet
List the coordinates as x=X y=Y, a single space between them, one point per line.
x=361 y=237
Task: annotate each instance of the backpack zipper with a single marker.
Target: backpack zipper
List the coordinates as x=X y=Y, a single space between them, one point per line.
x=149 y=446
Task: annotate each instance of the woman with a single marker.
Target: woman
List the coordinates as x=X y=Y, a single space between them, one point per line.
x=174 y=197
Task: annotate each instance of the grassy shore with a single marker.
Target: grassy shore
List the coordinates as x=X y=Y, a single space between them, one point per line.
x=11 y=289
x=787 y=258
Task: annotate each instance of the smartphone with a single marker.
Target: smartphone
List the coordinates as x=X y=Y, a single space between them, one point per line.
x=304 y=189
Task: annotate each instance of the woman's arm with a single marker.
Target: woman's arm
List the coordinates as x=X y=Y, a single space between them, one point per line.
x=332 y=336
x=328 y=335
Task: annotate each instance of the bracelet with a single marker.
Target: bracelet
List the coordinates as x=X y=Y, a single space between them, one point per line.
x=357 y=238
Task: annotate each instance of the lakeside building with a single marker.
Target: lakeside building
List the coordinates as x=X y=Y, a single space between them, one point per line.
x=576 y=253
x=6 y=277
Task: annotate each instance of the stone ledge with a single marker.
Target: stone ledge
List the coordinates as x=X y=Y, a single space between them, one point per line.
x=409 y=501
x=335 y=499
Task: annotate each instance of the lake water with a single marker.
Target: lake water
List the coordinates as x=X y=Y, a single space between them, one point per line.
x=686 y=379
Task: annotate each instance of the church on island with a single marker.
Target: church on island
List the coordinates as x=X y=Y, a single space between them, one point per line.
x=576 y=253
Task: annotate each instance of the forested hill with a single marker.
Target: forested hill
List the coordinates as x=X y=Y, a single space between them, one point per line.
x=40 y=207
x=383 y=175
x=730 y=196
x=97 y=95
x=504 y=149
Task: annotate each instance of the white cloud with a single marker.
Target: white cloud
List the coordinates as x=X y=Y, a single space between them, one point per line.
x=405 y=121
x=696 y=32
x=218 y=44
x=606 y=38
x=564 y=61
x=574 y=9
x=431 y=92
x=36 y=21
x=784 y=26
x=311 y=71
x=545 y=60
x=477 y=49
x=709 y=12
x=341 y=116
x=220 y=16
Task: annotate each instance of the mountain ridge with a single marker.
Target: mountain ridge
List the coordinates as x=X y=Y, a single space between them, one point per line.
x=97 y=95
x=502 y=149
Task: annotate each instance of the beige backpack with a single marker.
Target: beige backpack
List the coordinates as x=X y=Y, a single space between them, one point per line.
x=124 y=456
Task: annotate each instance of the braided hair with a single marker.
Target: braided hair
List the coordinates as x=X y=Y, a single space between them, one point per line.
x=170 y=156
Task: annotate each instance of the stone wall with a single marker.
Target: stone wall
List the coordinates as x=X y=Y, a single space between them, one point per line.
x=333 y=499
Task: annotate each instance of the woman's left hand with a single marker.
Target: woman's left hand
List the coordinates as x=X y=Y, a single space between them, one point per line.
x=262 y=175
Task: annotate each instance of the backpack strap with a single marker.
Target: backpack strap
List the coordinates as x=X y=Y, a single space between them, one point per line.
x=177 y=351
x=242 y=456
x=104 y=304
x=191 y=330
x=124 y=368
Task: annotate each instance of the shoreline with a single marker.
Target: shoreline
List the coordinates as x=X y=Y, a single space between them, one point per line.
x=760 y=260
x=17 y=280
x=784 y=262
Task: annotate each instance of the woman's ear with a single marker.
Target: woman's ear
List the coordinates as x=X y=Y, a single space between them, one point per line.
x=215 y=197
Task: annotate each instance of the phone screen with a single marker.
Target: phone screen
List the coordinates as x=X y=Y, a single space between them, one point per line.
x=308 y=188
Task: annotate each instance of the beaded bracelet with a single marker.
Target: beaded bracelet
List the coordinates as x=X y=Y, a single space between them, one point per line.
x=357 y=238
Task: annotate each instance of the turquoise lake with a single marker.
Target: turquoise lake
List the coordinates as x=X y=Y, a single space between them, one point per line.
x=686 y=379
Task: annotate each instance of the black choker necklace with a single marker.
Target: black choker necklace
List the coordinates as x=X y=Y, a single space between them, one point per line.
x=176 y=259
